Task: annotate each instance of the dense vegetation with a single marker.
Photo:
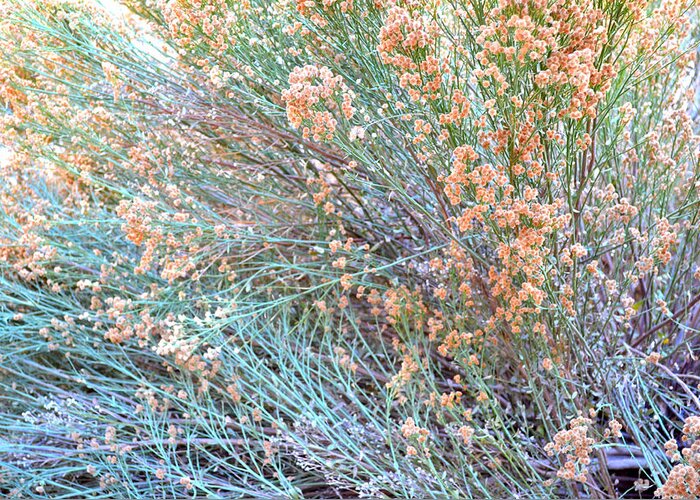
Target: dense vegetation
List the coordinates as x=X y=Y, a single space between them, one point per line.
x=400 y=248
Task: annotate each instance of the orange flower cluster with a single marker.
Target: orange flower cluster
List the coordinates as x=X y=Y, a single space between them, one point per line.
x=576 y=447
x=188 y=20
x=307 y=7
x=564 y=39
x=313 y=95
x=525 y=226
x=684 y=479
x=174 y=343
x=666 y=238
x=144 y=225
x=410 y=430
x=406 y=42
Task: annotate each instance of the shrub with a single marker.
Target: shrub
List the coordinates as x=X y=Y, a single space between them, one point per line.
x=358 y=247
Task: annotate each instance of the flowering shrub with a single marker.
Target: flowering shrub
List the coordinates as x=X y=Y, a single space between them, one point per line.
x=349 y=248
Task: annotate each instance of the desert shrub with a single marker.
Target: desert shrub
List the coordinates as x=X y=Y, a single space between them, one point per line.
x=362 y=247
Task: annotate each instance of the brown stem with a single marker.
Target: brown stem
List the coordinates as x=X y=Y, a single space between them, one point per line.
x=676 y=316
